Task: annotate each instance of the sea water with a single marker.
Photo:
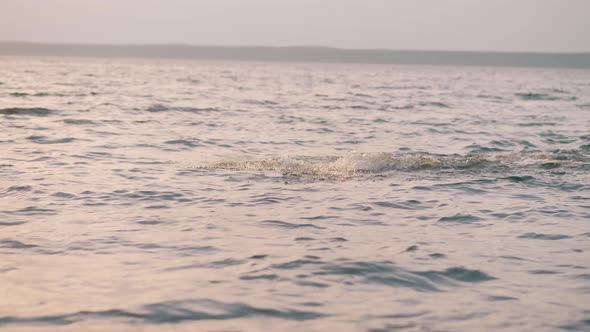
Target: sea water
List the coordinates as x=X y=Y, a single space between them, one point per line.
x=163 y=195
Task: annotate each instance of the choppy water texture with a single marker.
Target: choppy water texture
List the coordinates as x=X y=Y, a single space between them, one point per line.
x=188 y=196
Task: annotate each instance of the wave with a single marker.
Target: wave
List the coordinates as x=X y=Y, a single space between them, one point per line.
x=543 y=96
x=26 y=94
x=39 y=139
x=79 y=122
x=36 y=111
x=386 y=273
x=163 y=108
x=356 y=164
x=168 y=312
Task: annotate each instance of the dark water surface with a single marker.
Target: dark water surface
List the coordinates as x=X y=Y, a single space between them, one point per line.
x=185 y=196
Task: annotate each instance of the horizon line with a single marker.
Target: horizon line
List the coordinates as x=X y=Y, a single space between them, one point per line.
x=300 y=46
x=310 y=54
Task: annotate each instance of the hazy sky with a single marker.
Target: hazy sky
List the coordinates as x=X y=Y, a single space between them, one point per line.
x=496 y=25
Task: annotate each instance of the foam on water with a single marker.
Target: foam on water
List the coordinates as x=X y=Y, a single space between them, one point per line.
x=358 y=164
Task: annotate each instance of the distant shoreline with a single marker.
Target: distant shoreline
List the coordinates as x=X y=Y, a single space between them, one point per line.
x=302 y=54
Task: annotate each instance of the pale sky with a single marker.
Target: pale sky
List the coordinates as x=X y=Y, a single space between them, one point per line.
x=484 y=25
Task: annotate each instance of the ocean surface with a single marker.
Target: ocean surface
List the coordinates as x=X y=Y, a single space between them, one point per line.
x=162 y=195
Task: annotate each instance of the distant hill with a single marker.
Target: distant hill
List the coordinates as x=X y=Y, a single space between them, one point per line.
x=302 y=54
